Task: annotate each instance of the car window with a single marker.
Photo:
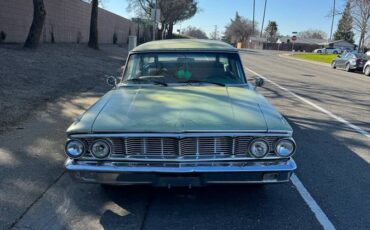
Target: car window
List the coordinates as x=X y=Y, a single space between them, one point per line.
x=360 y=55
x=346 y=56
x=224 y=68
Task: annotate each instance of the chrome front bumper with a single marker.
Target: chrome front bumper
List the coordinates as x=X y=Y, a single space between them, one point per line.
x=181 y=174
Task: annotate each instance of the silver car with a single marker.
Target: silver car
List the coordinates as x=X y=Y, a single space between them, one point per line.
x=366 y=68
x=328 y=50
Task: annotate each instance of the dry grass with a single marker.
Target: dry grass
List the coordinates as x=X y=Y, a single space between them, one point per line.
x=30 y=78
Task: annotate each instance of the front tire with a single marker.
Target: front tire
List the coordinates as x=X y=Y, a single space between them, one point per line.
x=367 y=71
x=319 y=51
x=348 y=68
x=333 y=65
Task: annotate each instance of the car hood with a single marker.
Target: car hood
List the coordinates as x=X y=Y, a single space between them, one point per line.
x=180 y=109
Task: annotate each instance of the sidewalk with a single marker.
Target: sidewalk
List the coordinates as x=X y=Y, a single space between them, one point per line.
x=32 y=152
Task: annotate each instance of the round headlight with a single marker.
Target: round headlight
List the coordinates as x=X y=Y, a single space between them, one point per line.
x=285 y=147
x=258 y=148
x=100 y=149
x=74 y=148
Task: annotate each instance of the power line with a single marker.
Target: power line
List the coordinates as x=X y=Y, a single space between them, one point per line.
x=215 y=33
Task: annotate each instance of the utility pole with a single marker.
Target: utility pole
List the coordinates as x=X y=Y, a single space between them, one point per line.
x=154 y=20
x=254 y=11
x=332 y=21
x=216 y=32
x=263 y=19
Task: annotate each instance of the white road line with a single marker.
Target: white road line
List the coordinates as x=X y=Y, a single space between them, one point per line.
x=315 y=208
x=342 y=120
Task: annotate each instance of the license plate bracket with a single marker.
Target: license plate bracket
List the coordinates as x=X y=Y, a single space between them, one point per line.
x=179 y=181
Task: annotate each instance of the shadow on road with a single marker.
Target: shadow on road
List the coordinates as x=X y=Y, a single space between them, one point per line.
x=213 y=207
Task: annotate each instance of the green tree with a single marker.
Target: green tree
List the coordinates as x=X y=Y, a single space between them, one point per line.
x=195 y=33
x=361 y=16
x=344 y=30
x=239 y=29
x=311 y=33
x=172 y=11
x=143 y=30
x=271 y=31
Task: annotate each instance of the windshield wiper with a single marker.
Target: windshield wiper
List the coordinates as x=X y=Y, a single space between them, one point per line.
x=210 y=82
x=145 y=80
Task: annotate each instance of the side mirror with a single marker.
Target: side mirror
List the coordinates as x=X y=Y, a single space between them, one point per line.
x=259 y=82
x=111 y=81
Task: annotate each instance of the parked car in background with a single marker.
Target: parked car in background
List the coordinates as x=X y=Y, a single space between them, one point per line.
x=350 y=61
x=366 y=69
x=183 y=114
x=328 y=50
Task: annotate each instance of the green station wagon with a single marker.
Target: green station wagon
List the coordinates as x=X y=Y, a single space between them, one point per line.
x=183 y=114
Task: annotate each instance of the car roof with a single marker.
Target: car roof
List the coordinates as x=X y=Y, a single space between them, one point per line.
x=185 y=45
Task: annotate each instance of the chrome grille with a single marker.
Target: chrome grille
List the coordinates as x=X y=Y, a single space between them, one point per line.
x=242 y=144
x=176 y=147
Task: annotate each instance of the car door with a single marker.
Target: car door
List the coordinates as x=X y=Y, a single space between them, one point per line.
x=350 y=56
x=342 y=60
x=339 y=60
x=361 y=59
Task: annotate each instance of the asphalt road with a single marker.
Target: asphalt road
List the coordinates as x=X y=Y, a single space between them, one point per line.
x=328 y=109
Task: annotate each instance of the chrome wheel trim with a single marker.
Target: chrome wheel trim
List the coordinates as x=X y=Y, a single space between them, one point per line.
x=347 y=67
x=367 y=71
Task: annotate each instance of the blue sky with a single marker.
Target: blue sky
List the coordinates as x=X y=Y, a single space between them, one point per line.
x=290 y=15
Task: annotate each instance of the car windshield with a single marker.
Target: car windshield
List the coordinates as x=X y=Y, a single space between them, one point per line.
x=167 y=68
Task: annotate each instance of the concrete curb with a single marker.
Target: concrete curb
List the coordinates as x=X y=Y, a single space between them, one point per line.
x=286 y=55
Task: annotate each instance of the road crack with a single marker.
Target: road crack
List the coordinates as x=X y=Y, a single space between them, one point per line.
x=35 y=201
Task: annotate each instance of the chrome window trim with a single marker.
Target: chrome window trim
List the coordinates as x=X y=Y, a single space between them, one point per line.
x=218 y=51
x=188 y=50
x=178 y=84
